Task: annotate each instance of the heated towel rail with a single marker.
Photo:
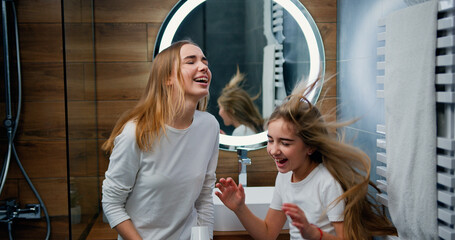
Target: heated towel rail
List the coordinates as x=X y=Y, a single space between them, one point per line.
x=445 y=104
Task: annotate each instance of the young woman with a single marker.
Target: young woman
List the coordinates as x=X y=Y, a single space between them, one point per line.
x=237 y=108
x=164 y=152
x=322 y=184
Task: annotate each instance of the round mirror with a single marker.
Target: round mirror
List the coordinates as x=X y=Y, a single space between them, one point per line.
x=274 y=44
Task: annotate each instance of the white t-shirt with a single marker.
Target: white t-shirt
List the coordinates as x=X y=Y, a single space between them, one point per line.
x=166 y=191
x=313 y=195
x=243 y=130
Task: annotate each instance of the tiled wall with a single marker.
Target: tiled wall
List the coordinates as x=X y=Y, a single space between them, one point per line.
x=357 y=29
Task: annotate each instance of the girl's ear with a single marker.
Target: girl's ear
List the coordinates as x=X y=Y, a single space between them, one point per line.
x=311 y=151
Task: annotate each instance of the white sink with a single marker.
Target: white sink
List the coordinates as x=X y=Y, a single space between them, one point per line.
x=256 y=198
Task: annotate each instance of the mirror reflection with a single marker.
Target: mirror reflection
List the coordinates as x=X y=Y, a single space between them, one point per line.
x=237 y=108
x=272 y=44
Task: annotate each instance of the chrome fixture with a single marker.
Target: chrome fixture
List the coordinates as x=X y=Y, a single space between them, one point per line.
x=243 y=162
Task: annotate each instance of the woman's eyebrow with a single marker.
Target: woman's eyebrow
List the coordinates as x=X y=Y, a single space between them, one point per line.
x=194 y=57
x=190 y=57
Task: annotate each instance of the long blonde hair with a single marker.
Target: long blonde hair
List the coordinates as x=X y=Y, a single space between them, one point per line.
x=158 y=104
x=349 y=165
x=239 y=105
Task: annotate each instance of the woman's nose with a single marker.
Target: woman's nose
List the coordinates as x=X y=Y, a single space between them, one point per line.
x=203 y=67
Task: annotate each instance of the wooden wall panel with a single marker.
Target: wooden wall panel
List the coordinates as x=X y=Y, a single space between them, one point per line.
x=108 y=114
x=81 y=119
x=40 y=140
x=79 y=42
x=3 y=135
x=103 y=159
x=120 y=11
x=41 y=42
x=329 y=89
x=121 y=42
x=87 y=187
x=83 y=158
x=42 y=82
x=32 y=229
x=40 y=159
x=227 y=162
x=100 y=186
x=329 y=36
x=327 y=107
x=80 y=80
x=39 y=11
x=321 y=10
x=261 y=172
x=78 y=11
x=261 y=179
x=41 y=137
x=121 y=81
x=10 y=189
x=324 y=13
x=42 y=121
x=261 y=161
x=152 y=32
x=53 y=192
x=327 y=100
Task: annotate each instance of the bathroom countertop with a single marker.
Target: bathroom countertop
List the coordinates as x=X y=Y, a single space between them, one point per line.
x=101 y=230
x=243 y=235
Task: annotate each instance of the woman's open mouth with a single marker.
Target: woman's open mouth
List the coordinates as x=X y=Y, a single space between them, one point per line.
x=201 y=80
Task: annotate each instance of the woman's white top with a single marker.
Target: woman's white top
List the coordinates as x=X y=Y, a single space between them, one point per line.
x=313 y=195
x=166 y=191
x=243 y=130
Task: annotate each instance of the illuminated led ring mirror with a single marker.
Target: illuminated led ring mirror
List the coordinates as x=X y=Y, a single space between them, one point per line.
x=303 y=19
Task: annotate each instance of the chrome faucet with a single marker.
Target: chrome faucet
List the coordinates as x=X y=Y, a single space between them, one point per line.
x=243 y=162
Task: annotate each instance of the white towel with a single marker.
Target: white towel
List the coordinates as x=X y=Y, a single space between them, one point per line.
x=410 y=112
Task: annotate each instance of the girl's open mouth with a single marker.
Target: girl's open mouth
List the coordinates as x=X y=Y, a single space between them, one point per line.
x=282 y=161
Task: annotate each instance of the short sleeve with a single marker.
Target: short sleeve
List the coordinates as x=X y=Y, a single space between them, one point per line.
x=277 y=200
x=331 y=192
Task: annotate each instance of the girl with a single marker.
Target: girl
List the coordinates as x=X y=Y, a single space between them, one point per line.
x=164 y=152
x=322 y=184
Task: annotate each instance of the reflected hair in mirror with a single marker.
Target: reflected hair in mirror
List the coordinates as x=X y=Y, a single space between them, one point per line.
x=238 y=104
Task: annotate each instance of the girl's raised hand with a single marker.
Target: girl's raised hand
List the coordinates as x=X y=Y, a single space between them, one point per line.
x=231 y=195
x=307 y=230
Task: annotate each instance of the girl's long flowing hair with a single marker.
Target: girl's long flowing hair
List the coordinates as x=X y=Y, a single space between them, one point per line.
x=160 y=102
x=350 y=166
x=239 y=105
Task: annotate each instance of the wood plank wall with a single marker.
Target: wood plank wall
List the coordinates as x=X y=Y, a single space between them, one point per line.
x=81 y=114
x=40 y=139
x=125 y=33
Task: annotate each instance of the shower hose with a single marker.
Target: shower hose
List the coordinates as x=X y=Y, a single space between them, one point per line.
x=11 y=123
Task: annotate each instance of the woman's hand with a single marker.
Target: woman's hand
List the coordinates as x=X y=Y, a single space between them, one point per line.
x=231 y=195
x=299 y=220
